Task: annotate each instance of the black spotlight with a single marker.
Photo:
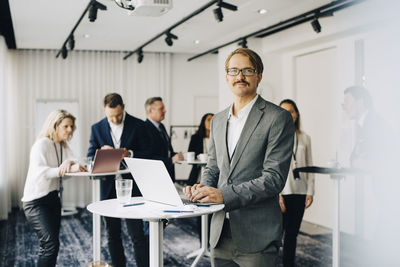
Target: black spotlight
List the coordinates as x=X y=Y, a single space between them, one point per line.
x=169 y=38
x=218 y=14
x=243 y=43
x=64 y=52
x=221 y=3
x=71 y=43
x=140 y=56
x=316 y=26
x=168 y=41
x=93 y=10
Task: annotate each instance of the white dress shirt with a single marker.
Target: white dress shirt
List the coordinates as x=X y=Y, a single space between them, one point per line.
x=42 y=177
x=116 y=132
x=236 y=124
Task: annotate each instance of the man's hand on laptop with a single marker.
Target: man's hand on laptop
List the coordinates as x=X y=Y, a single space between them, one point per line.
x=126 y=153
x=203 y=194
x=107 y=147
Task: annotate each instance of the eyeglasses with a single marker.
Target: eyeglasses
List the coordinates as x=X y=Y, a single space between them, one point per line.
x=245 y=72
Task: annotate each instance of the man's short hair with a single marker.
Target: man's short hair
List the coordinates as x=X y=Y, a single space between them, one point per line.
x=360 y=93
x=150 y=102
x=113 y=100
x=253 y=56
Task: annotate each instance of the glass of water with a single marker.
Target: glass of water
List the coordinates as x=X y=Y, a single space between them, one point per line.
x=88 y=163
x=123 y=189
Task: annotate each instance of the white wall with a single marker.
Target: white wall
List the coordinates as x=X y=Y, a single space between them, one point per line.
x=191 y=83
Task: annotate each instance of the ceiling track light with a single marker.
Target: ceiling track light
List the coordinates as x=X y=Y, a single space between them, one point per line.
x=218 y=14
x=71 y=42
x=316 y=25
x=170 y=28
x=64 y=52
x=222 y=4
x=169 y=38
x=322 y=11
x=93 y=10
x=140 y=56
x=243 y=43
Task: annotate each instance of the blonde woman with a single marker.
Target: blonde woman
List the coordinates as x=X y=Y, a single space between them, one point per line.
x=50 y=159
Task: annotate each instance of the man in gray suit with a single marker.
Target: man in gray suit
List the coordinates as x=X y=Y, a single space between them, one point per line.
x=249 y=156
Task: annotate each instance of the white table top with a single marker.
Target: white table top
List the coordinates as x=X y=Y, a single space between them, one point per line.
x=150 y=211
x=80 y=174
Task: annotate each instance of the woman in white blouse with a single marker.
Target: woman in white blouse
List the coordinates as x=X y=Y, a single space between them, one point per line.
x=50 y=159
x=297 y=194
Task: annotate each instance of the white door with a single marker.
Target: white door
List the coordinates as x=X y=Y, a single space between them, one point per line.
x=318 y=99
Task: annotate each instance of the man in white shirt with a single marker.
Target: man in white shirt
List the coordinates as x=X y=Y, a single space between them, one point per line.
x=121 y=130
x=248 y=161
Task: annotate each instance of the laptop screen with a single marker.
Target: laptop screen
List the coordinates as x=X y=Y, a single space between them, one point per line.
x=107 y=160
x=154 y=181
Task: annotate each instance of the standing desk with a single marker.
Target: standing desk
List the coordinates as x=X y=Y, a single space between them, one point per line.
x=154 y=213
x=95 y=177
x=336 y=175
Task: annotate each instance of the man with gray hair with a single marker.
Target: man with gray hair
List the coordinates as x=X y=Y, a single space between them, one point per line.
x=161 y=148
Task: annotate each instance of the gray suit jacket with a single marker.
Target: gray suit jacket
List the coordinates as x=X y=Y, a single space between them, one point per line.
x=251 y=182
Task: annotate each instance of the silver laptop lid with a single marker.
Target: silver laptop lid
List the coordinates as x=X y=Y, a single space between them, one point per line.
x=154 y=181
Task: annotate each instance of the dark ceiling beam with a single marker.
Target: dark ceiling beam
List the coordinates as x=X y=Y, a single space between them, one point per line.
x=198 y=11
x=6 y=25
x=309 y=18
x=322 y=11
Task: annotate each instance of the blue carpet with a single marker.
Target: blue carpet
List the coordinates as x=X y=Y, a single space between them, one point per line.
x=19 y=244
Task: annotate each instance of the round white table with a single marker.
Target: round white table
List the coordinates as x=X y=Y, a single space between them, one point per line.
x=96 y=177
x=155 y=213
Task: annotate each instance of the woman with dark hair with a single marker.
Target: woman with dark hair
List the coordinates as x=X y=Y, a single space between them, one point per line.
x=50 y=159
x=199 y=145
x=297 y=194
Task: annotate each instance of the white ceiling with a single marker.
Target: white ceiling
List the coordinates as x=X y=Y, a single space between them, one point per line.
x=45 y=24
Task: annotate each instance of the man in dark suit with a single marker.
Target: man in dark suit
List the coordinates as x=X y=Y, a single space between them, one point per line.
x=161 y=142
x=249 y=155
x=121 y=130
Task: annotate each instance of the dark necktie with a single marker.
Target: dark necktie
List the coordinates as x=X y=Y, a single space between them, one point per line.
x=164 y=134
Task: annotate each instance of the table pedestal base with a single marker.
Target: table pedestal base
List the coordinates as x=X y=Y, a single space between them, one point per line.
x=203 y=251
x=156 y=243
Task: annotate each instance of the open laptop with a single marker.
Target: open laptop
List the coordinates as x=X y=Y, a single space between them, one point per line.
x=107 y=160
x=154 y=182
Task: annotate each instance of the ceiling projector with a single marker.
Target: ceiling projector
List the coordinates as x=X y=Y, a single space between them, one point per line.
x=151 y=8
